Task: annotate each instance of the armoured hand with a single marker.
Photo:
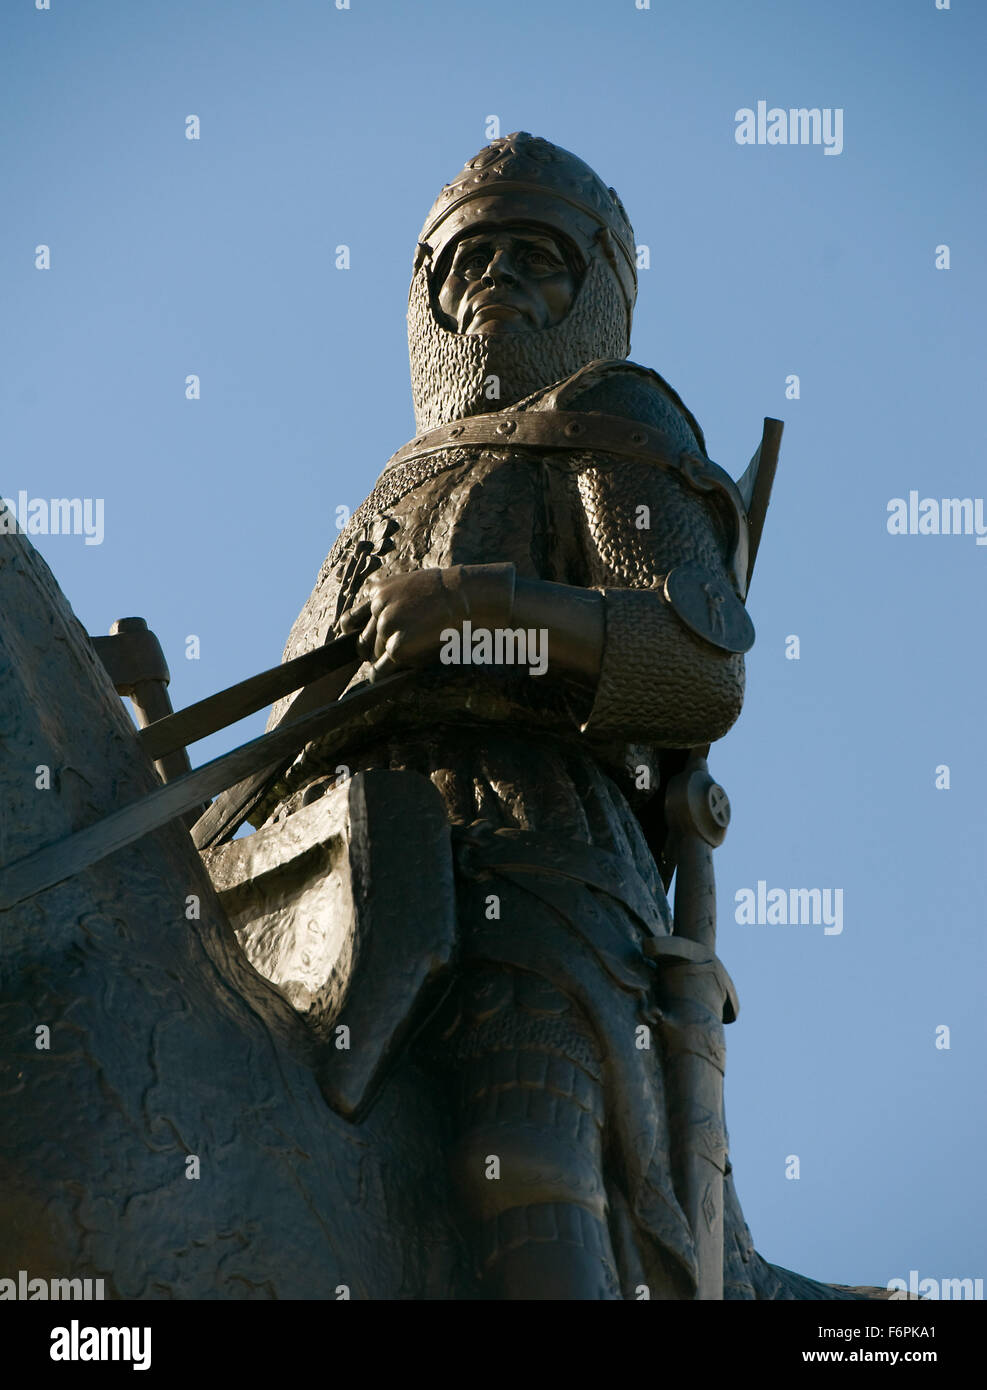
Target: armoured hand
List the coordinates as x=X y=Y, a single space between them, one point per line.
x=403 y=617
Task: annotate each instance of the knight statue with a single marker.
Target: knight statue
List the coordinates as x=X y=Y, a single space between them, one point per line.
x=434 y=1024
x=555 y=493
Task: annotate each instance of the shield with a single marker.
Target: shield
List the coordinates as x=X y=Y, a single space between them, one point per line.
x=347 y=906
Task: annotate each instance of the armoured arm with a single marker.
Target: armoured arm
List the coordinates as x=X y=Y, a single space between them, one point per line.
x=667 y=674
x=660 y=683
x=649 y=634
x=403 y=620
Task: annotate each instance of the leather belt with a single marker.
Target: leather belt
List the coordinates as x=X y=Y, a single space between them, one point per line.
x=548 y=429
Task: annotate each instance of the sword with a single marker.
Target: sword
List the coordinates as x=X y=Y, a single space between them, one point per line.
x=217 y=711
x=697 y=994
x=697 y=998
x=265 y=755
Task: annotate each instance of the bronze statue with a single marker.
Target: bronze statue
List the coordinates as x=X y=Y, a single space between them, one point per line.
x=554 y=489
x=488 y=1063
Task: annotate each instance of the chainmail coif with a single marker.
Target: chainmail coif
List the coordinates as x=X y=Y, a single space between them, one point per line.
x=450 y=372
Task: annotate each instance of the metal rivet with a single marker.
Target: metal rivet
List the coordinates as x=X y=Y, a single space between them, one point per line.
x=573 y=428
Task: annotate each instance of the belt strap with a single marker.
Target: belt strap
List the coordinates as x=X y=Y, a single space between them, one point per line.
x=548 y=429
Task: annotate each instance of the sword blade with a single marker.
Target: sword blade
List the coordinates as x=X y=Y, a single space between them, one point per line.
x=71 y=855
x=217 y=711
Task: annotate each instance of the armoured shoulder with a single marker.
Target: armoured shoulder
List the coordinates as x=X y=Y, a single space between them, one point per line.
x=622 y=388
x=702 y=513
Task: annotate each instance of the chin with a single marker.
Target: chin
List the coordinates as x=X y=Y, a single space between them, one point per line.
x=494 y=328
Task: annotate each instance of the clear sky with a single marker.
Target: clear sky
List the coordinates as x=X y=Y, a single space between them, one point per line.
x=216 y=257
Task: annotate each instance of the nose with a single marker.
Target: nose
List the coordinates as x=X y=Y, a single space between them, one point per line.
x=499 y=271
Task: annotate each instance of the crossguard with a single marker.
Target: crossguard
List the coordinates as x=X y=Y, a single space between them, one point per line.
x=696 y=805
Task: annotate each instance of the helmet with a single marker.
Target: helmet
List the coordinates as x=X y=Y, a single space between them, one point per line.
x=520 y=179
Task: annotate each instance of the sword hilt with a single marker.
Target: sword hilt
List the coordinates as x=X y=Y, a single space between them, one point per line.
x=698 y=812
x=137 y=667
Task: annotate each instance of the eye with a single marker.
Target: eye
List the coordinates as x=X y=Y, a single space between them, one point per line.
x=543 y=260
x=473 y=260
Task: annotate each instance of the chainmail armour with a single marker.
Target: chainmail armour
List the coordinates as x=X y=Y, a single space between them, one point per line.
x=537 y=1038
x=569 y=519
x=451 y=373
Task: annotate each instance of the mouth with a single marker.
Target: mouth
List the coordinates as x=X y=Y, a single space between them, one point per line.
x=495 y=312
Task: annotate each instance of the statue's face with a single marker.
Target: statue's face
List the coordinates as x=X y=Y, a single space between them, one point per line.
x=507 y=280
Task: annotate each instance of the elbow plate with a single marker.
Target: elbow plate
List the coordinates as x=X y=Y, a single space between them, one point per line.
x=710 y=608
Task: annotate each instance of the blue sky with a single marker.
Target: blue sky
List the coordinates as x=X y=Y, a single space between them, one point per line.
x=216 y=257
